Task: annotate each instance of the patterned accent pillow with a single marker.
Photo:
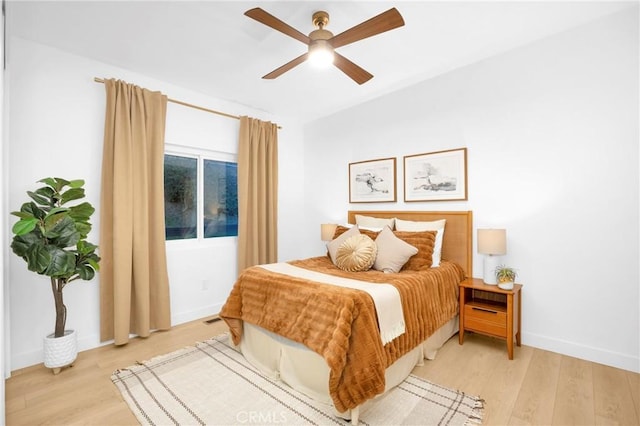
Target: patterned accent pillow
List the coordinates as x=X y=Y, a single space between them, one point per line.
x=393 y=253
x=424 y=242
x=357 y=253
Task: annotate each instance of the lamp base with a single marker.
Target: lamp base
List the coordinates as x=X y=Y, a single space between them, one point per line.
x=490 y=265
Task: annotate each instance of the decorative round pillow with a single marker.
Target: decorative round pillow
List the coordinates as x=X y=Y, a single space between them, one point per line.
x=357 y=253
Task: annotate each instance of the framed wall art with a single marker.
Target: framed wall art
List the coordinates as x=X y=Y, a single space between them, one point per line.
x=436 y=176
x=372 y=181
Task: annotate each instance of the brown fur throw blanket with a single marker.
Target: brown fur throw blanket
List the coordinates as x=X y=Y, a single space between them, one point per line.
x=340 y=323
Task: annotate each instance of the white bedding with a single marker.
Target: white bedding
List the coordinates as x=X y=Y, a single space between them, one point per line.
x=386 y=297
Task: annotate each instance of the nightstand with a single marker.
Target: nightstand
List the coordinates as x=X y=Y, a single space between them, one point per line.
x=490 y=310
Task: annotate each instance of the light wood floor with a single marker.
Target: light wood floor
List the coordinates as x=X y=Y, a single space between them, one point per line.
x=536 y=388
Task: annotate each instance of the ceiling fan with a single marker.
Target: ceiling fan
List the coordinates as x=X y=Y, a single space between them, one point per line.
x=322 y=42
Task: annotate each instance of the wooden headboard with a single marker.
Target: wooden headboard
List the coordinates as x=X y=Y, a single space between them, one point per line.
x=457 y=245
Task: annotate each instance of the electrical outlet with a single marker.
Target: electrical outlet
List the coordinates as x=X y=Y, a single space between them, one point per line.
x=205 y=285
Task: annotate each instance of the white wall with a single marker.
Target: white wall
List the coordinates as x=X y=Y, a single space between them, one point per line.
x=56 y=112
x=3 y=228
x=552 y=137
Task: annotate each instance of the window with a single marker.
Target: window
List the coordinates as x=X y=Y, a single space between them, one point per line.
x=201 y=197
x=180 y=197
x=220 y=199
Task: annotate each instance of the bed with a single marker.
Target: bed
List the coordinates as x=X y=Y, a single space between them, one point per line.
x=297 y=321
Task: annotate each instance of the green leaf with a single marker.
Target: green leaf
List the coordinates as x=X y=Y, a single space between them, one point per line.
x=46 y=192
x=77 y=183
x=72 y=194
x=62 y=233
x=83 y=228
x=56 y=210
x=22 y=243
x=62 y=263
x=33 y=209
x=86 y=272
x=23 y=215
x=49 y=181
x=24 y=226
x=85 y=247
x=39 y=199
x=38 y=258
x=81 y=212
x=60 y=183
x=94 y=263
x=50 y=222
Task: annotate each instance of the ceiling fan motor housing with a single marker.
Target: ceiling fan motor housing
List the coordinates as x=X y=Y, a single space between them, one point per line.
x=320 y=35
x=320 y=40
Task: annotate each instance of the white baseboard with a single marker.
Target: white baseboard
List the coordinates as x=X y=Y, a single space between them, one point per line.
x=598 y=355
x=27 y=359
x=200 y=313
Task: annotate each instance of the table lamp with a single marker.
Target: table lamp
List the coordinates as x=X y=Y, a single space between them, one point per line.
x=493 y=244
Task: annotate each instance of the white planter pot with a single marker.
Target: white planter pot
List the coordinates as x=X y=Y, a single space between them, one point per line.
x=61 y=351
x=508 y=285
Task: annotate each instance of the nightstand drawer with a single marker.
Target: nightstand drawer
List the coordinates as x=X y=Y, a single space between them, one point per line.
x=485 y=319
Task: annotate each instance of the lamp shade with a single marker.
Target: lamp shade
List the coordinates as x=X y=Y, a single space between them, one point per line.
x=327 y=230
x=492 y=241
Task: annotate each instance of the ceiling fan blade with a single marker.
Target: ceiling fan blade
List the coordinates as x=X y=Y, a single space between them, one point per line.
x=356 y=73
x=378 y=24
x=271 y=21
x=286 y=67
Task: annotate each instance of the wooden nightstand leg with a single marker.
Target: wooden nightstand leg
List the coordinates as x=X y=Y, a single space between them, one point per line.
x=510 y=325
x=519 y=318
x=461 y=317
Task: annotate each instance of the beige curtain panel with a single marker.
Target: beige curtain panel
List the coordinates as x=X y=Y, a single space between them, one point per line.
x=257 y=193
x=134 y=284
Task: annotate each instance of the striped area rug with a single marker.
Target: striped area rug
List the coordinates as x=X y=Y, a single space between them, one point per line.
x=212 y=384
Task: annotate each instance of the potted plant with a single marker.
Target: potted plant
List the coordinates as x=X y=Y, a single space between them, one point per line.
x=51 y=237
x=506 y=277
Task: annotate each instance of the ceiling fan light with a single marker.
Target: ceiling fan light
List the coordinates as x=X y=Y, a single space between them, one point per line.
x=320 y=54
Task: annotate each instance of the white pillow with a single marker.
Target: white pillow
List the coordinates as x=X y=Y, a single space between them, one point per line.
x=374 y=222
x=436 y=225
x=334 y=245
x=393 y=253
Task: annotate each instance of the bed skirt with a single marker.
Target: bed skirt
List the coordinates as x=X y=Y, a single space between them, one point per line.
x=307 y=372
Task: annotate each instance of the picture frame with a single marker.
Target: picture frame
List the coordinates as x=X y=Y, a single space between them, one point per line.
x=373 y=181
x=436 y=176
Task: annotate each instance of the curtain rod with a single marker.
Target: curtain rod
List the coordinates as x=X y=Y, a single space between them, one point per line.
x=212 y=111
